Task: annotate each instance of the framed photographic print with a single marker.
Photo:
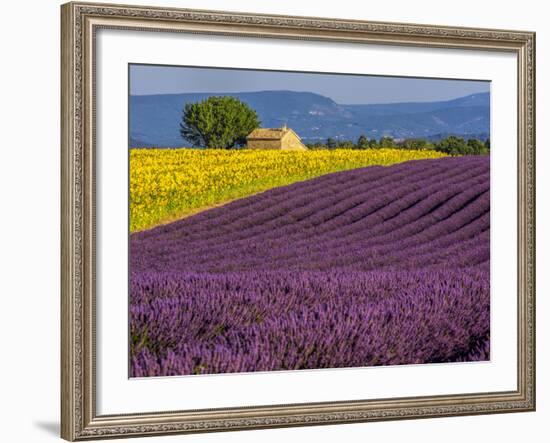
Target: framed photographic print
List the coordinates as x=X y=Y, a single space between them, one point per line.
x=282 y=221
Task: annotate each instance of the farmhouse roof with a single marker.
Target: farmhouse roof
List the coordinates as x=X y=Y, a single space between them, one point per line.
x=270 y=133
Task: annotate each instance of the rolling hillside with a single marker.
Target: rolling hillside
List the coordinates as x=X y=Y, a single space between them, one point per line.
x=390 y=263
x=168 y=184
x=154 y=119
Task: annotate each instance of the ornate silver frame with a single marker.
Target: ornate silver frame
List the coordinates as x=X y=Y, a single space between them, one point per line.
x=79 y=22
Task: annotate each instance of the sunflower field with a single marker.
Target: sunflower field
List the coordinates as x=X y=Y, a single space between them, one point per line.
x=168 y=184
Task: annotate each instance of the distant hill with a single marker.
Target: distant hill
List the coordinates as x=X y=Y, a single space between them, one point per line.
x=154 y=119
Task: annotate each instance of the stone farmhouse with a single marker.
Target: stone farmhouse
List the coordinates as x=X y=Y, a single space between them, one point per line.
x=275 y=138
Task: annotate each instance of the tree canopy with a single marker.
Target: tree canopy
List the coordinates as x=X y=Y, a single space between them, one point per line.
x=362 y=142
x=218 y=122
x=386 y=142
x=453 y=145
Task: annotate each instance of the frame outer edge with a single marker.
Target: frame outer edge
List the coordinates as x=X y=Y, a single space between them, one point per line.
x=531 y=146
x=68 y=386
x=66 y=399
x=78 y=420
x=526 y=222
x=534 y=196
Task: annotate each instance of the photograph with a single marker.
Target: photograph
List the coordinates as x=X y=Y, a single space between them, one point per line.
x=289 y=217
x=288 y=220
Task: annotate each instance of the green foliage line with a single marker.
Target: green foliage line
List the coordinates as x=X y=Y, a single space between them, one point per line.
x=451 y=145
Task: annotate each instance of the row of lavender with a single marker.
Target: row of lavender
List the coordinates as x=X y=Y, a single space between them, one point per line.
x=186 y=323
x=374 y=266
x=356 y=219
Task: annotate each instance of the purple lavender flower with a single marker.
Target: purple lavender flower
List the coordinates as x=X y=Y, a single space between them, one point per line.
x=373 y=266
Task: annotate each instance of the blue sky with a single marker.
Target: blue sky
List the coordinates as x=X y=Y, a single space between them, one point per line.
x=343 y=89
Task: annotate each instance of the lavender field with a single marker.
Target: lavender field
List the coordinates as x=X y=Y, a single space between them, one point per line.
x=372 y=266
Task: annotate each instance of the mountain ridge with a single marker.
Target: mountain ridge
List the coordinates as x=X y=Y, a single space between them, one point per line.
x=154 y=119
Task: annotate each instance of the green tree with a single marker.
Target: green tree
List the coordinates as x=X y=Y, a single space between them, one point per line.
x=453 y=145
x=415 y=143
x=362 y=142
x=386 y=142
x=478 y=147
x=315 y=145
x=331 y=143
x=488 y=145
x=373 y=143
x=218 y=122
x=346 y=144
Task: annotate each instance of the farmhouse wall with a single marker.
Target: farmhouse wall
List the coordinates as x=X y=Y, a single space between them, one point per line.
x=263 y=144
x=291 y=142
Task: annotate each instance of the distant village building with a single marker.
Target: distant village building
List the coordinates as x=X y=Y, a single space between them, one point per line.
x=275 y=138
